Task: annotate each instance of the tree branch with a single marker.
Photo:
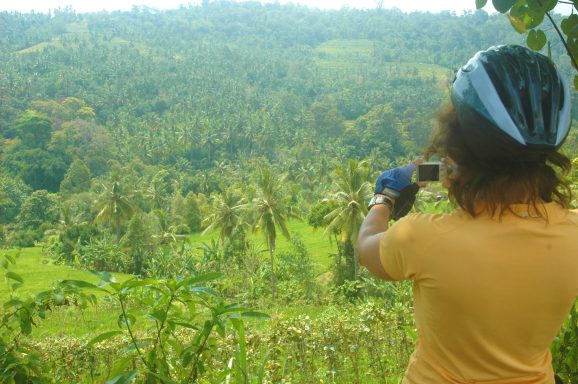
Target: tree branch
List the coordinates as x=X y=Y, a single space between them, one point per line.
x=563 y=41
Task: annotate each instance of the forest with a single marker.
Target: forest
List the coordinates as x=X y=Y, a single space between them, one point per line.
x=181 y=190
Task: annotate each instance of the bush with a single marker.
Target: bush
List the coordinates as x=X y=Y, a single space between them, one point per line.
x=296 y=274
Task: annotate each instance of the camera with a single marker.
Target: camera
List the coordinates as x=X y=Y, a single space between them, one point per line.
x=431 y=171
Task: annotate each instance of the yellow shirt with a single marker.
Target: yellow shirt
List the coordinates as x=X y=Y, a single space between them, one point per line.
x=490 y=294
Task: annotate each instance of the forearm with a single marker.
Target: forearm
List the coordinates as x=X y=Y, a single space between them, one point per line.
x=372 y=229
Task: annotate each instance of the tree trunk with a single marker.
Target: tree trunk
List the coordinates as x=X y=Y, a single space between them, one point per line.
x=355 y=262
x=273 y=276
x=117 y=229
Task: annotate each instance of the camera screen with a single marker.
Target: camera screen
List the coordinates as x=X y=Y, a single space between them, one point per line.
x=428 y=172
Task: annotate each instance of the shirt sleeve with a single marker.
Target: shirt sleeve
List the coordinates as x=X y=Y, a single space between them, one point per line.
x=397 y=249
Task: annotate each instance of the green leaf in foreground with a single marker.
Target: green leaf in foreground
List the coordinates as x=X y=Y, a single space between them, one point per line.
x=14 y=276
x=251 y=315
x=517 y=24
x=102 y=337
x=11 y=259
x=536 y=39
x=570 y=25
x=481 y=4
x=503 y=6
x=124 y=379
x=79 y=284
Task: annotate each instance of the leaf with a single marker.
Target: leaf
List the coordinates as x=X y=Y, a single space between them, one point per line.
x=550 y=5
x=220 y=328
x=206 y=291
x=481 y=4
x=102 y=337
x=12 y=303
x=536 y=39
x=106 y=277
x=120 y=365
x=26 y=325
x=164 y=379
x=15 y=286
x=58 y=298
x=124 y=379
x=261 y=372
x=14 y=276
x=576 y=82
x=201 y=279
x=158 y=316
x=79 y=284
x=127 y=320
x=132 y=347
x=186 y=325
x=230 y=308
x=11 y=259
x=517 y=23
x=570 y=25
x=255 y=315
x=542 y=5
x=503 y=6
x=133 y=283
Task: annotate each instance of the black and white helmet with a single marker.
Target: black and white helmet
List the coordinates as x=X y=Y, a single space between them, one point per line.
x=511 y=103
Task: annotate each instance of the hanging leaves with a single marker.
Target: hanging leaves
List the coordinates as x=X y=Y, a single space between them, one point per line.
x=481 y=4
x=518 y=24
x=503 y=6
x=536 y=39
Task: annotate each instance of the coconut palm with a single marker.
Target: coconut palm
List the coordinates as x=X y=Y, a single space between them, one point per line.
x=227 y=213
x=114 y=206
x=269 y=213
x=352 y=192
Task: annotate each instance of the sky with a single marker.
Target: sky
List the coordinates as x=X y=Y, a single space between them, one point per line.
x=457 y=6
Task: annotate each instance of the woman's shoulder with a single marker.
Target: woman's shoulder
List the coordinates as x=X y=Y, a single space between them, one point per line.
x=436 y=222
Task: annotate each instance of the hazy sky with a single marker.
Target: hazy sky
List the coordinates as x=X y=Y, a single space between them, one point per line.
x=97 y=5
x=457 y=6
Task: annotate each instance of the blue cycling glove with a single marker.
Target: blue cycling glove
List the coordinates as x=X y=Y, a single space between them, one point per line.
x=393 y=181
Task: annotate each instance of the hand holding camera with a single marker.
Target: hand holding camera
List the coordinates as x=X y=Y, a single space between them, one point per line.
x=397 y=183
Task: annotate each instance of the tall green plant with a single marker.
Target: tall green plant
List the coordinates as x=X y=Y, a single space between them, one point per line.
x=227 y=214
x=19 y=363
x=352 y=191
x=114 y=206
x=269 y=213
x=185 y=317
x=565 y=349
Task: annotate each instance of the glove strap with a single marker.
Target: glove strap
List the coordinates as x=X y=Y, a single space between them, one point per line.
x=381 y=199
x=390 y=192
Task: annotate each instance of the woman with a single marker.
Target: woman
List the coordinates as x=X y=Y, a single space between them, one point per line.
x=494 y=280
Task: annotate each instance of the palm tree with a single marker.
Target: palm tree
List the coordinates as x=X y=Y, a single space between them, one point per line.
x=227 y=214
x=269 y=213
x=353 y=191
x=114 y=207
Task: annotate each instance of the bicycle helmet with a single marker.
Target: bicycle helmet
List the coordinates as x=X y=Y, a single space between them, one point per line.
x=512 y=104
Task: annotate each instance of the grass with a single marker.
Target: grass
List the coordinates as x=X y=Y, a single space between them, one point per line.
x=55 y=42
x=317 y=243
x=40 y=273
x=338 y=56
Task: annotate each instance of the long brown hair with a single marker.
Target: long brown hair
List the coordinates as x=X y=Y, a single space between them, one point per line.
x=495 y=185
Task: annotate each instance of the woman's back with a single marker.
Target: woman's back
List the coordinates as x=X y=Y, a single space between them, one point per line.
x=490 y=292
